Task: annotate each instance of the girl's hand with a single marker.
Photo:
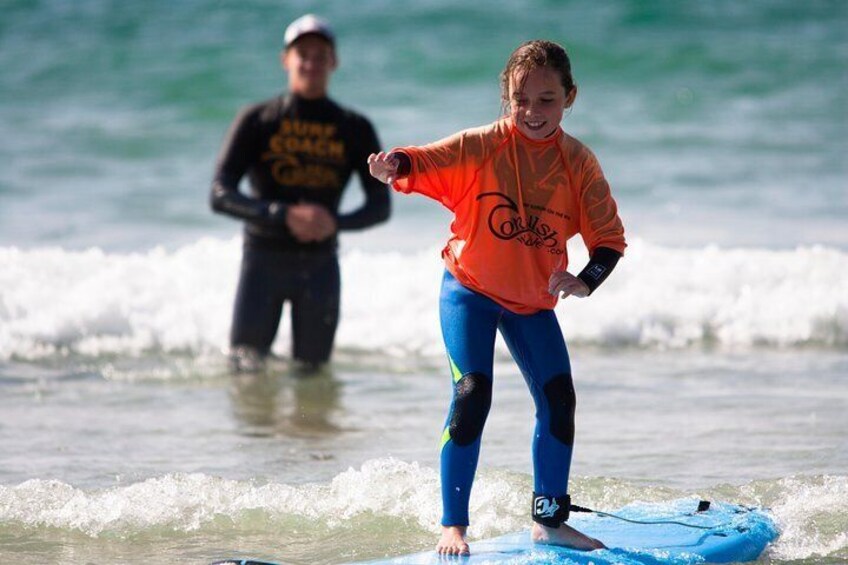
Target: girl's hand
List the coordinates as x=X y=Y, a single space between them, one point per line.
x=383 y=167
x=567 y=284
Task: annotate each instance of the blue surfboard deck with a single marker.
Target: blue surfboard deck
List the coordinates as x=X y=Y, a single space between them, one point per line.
x=734 y=534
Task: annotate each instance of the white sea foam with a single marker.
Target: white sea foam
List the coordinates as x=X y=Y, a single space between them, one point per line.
x=809 y=510
x=54 y=301
x=187 y=502
x=812 y=517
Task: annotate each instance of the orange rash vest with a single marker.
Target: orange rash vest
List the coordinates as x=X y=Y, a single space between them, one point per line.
x=516 y=201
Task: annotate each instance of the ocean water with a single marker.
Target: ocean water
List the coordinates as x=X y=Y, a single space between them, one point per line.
x=714 y=363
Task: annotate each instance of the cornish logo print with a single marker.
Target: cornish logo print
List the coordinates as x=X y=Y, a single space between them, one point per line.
x=506 y=223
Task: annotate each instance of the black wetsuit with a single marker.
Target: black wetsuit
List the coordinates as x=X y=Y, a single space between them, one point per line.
x=293 y=150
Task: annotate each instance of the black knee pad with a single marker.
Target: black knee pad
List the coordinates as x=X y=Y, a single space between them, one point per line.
x=561 y=400
x=472 y=400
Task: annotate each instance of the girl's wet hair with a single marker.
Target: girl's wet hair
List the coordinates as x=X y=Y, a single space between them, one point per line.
x=535 y=54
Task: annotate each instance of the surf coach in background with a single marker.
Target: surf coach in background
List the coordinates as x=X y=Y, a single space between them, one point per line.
x=299 y=150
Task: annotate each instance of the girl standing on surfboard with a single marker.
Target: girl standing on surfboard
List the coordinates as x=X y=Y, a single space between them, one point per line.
x=519 y=188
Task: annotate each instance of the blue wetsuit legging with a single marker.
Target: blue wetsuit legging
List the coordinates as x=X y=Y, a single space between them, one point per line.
x=469 y=322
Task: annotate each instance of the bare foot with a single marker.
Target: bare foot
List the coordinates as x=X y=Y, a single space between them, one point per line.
x=453 y=541
x=564 y=535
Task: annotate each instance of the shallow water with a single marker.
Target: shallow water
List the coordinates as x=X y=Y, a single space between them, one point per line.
x=176 y=457
x=714 y=362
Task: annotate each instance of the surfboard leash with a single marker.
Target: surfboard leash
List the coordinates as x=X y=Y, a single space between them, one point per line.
x=703 y=506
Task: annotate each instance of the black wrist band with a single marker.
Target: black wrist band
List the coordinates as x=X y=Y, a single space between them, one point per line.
x=600 y=266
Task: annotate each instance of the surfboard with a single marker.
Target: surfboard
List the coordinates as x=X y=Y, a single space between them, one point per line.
x=638 y=534
x=669 y=533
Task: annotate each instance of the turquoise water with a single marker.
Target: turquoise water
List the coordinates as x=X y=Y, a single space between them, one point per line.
x=713 y=363
x=717 y=122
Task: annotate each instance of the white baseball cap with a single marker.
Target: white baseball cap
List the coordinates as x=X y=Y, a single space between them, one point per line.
x=308 y=24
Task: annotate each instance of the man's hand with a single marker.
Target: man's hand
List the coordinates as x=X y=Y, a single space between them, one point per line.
x=383 y=167
x=567 y=284
x=310 y=222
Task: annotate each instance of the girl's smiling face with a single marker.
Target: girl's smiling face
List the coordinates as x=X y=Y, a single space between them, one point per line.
x=537 y=100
